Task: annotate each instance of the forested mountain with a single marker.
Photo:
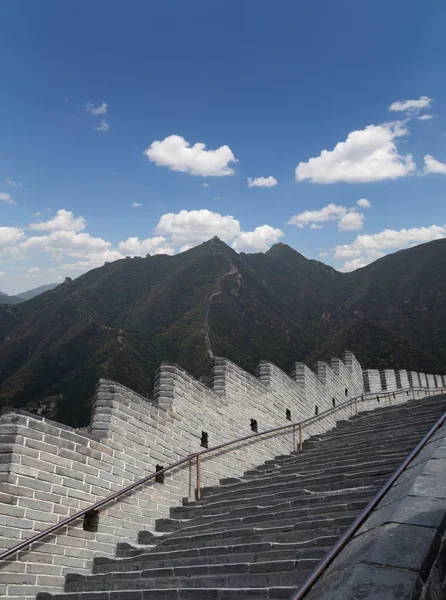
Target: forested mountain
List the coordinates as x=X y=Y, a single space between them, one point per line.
x=120 y=320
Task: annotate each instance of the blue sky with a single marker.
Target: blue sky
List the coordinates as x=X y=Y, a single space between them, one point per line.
x=103 y=104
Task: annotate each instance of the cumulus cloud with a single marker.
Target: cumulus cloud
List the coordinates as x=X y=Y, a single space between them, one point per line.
x=323 y=254
x=364 y=203
x=64 y=220
x=96 y=109
x=258 y=240
x=6 y=198
x=135 y=205
x=133 y=246
x=331 y=212
x=197 y=226
x=12 y=183
x=411 y=107
x=425 y=117
x=351 y=221
x=70 y=243
x=366 y=155
x=33 y=271
x=367 y=248
x=262 y=182
x=10 y=236
x=314 y=226
x=432 y=165
x=103 y=126
x=175 y=152
x=205 y=184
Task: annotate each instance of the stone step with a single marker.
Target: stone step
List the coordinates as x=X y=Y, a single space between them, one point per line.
x=304 y=530
x=259 y=504
x=298 y=492
x=132 y=551
x=267 y=515
x=294 y=471
x=225 y=555
x=152 y=572
x=355 y=479
x=248 y=593
x=249 y=575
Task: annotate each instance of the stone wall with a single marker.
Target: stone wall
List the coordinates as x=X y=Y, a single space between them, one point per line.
x=400 y=550
x=49 y=471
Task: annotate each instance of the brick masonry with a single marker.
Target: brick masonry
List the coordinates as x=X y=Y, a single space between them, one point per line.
x=400 y=550
x=49 y=471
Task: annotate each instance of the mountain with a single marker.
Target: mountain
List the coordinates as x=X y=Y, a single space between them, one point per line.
x=121 y=320
x=36 y=291
x=5 y=299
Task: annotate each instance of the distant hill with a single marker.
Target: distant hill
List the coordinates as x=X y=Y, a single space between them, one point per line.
x=5 y=299
x=120 y=320
x=36 y=291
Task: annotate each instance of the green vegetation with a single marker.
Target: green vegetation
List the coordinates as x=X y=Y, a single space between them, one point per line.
x=121 y=320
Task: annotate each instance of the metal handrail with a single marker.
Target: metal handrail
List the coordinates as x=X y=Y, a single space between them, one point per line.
x=197 y=455
x=322 y=566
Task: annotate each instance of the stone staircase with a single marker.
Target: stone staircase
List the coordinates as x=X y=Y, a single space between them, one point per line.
x=261 y=535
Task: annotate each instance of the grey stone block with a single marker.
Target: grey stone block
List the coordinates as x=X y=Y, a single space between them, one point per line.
x=394 y=545
x=410 y=510
x=367 y=582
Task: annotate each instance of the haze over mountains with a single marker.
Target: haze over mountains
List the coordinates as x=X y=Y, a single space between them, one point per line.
x=6 y=299
x=120 y=320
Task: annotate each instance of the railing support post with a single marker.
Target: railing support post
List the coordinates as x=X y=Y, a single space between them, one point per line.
x=356 y=407
x=198 y=492
x=300 y=437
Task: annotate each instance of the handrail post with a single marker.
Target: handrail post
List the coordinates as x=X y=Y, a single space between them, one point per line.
x=356 y=407
x=300 y=437
x=198 y=492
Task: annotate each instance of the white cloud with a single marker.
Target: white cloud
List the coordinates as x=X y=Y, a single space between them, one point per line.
x=73 y=244
x=410 y=107
x=358 y=263
x=323 y=254
x=366 y=155
x=135 y=247
x=103 y=126
x=351 y=222
x=135 y=205
x=175 y=152
x=366 y=248
x=96 y=109
x=205 y=184
x=314 y=226
x=64 y=220
x=9 y=236
x=12 y=183
x=331 y=212
x=197 y=226
x=258 y=240
x=262 y=182
x=33 y=271
x=6 y=198
x=425 y=117
x=364 y=203
x=432 y=165
x=37 y=214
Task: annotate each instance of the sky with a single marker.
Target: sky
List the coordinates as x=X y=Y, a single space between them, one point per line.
x=142 y=128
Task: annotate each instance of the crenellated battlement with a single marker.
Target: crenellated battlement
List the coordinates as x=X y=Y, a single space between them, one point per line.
x=49 y=471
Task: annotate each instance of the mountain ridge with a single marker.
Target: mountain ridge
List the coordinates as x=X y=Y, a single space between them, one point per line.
x=121 y=320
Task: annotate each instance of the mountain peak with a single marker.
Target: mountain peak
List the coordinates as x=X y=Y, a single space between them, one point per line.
x=281 y=250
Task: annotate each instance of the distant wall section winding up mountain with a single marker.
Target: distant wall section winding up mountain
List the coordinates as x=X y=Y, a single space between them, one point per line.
x=121 y=320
